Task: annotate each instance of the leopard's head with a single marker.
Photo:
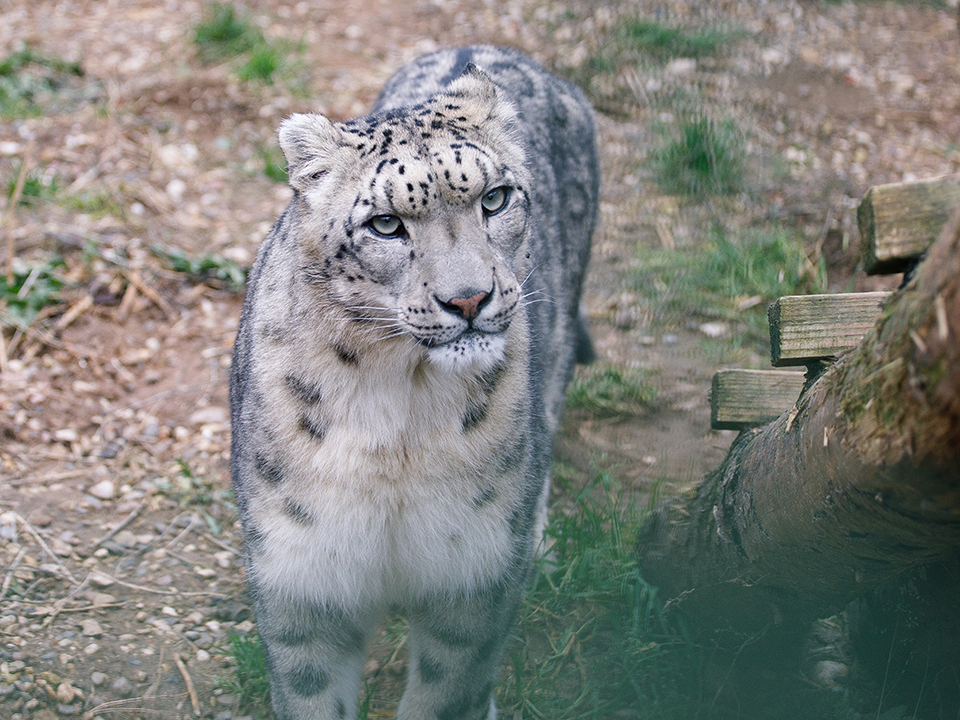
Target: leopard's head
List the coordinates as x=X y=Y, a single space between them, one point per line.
x=416 y=221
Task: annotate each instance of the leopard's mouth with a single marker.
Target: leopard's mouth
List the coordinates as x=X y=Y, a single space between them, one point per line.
x=470 y=335
x=470 y=349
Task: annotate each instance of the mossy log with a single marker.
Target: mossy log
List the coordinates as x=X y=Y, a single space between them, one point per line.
x=857 y=483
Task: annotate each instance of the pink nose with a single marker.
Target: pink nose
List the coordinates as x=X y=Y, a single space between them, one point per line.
x=466 y=307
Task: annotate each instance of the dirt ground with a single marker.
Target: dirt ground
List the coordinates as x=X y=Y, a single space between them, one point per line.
x=114 y=407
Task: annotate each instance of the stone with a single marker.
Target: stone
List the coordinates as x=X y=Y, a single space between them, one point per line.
x=681 y=66
x=125 y=538
x=209 y=415
x=66 y=692
x=104 y=490
x=90 y=628
x=100 y=580
x=122 y=686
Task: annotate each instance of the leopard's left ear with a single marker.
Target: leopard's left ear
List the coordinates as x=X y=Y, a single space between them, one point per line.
x=473 y=84
x=481 y=97
x=309 y=143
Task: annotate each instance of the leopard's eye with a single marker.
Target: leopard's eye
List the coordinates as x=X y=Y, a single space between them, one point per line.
x=494 y=201
x=387 y=225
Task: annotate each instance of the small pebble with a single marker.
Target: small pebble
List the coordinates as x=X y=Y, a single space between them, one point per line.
x=66 y=692
x=91 y=628
x=98 y=678
x=104 y=490
x=122 y=686
x=125 y=538
x=100 y=580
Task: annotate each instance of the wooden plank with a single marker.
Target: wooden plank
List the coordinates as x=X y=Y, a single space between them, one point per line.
x=746 y=398
x=899 y=221
x=810 y=327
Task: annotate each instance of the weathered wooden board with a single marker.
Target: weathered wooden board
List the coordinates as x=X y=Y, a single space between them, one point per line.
x=808 y=327
x=899 y=221
x=747 y=398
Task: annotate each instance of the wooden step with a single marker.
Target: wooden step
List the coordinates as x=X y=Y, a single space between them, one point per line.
x=810 y=327
x=899 y=221
x=741 y=399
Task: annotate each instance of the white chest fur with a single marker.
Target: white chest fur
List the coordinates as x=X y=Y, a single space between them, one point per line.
x=397 y=501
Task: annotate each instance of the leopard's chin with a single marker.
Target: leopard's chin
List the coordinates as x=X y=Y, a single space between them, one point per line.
x=473 y=351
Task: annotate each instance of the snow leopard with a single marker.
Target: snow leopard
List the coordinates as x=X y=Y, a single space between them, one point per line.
x=410 y=325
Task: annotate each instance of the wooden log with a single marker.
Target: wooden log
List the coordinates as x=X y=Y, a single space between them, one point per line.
x=741 y=399
x=861 y=483
x=810 y=327
x=899 y=221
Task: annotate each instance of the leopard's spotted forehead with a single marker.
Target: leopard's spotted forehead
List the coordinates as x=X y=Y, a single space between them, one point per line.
x=415 y=159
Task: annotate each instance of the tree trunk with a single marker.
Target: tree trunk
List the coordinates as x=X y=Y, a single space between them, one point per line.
x=859 y=482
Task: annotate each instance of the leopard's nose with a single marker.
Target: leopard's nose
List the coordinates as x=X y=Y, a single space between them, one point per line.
x=468 y=305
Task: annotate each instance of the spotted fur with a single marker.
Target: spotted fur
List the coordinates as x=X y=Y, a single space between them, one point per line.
x=410 y=325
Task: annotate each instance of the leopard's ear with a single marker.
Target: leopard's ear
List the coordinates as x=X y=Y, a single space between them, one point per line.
x=309 y=142
x=473 y=84
x=481 y=99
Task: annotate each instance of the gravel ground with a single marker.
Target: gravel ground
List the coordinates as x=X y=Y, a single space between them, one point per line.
x=113 y=409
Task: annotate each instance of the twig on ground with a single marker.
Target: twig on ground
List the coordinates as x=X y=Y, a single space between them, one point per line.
x=195 y=522
x=123 y=523
x=58 y=606
x=155 y=685
x=48 y=477
x=9 y=578
x=144 y=588
x=136 y=279
x=116 y=706
x=36 y=536
x=87 y=608
x=42 y=337
x=12 y=206
x=222 y=544
x=75 y=311
x=191 y=690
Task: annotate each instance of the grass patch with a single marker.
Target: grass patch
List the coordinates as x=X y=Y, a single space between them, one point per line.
x=264 y=61
x=250 y=682
x=206 y=268
x=731 y=279
x=666 y=42
x=609 y=391
x=97 y=203
x=222 y=33
x=700 y=157
x=38 y=187
x=32 y=290
x=274 y=163
x=29 y=79
x=638 y=47
x=593 y=640
x=225 y=34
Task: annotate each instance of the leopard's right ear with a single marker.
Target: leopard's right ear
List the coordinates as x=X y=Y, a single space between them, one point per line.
x=309 y=142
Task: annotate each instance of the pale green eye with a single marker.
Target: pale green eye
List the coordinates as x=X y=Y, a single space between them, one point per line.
x=494 y=200
x=387 y=225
